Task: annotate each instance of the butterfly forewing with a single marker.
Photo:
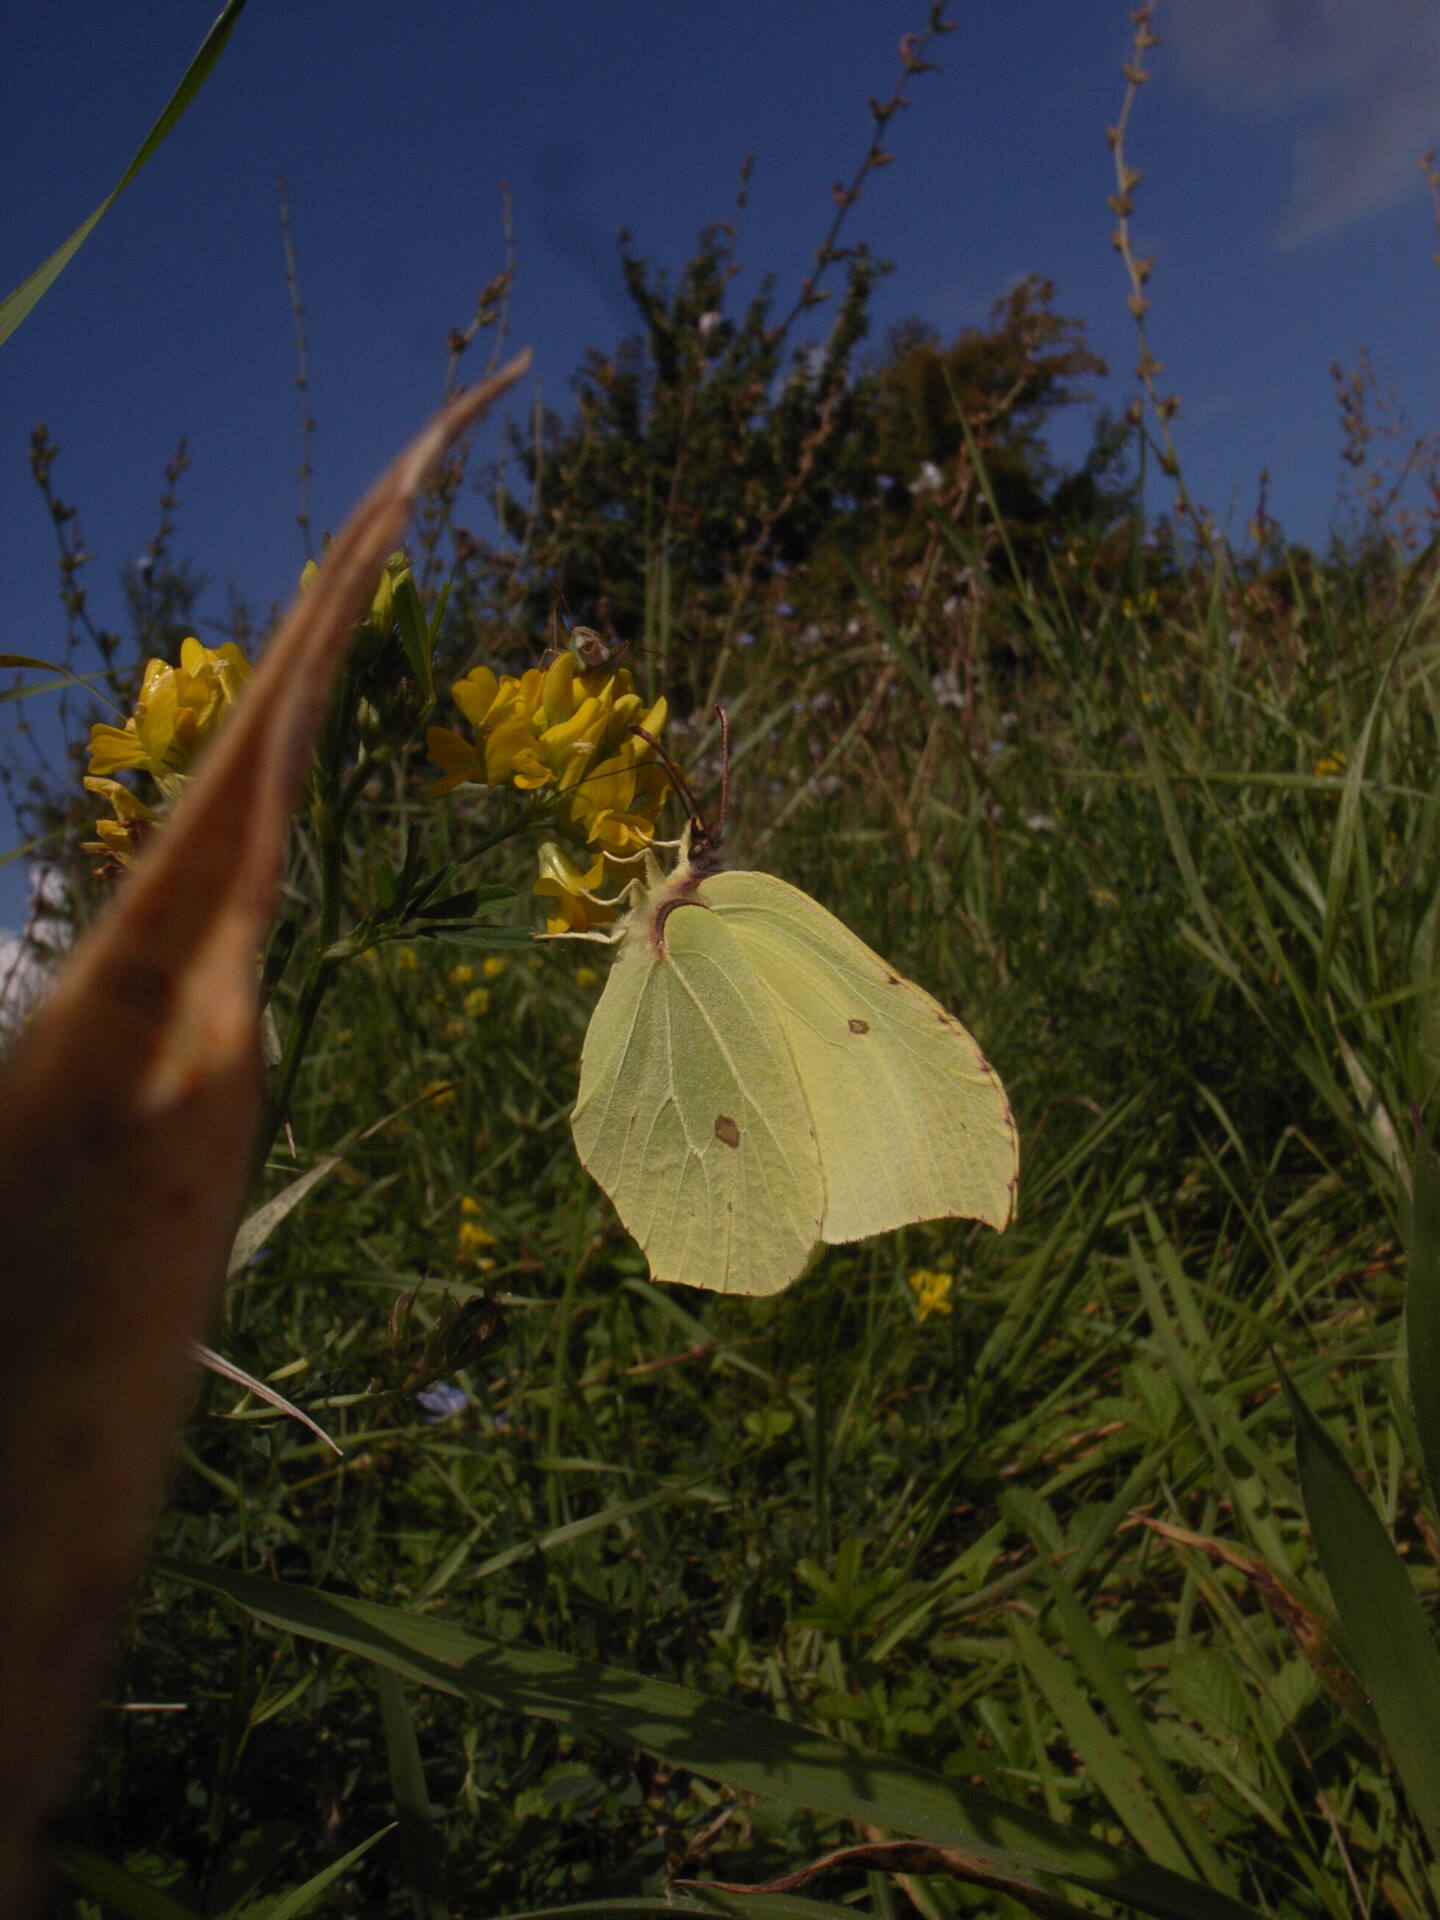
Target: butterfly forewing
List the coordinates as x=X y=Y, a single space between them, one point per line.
x=911 y=1121
x=691 y=1115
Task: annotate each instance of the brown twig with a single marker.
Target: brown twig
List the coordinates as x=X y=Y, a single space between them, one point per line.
x=1163 y=406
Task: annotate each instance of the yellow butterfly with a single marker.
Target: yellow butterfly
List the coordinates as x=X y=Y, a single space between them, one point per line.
x=755 y=1081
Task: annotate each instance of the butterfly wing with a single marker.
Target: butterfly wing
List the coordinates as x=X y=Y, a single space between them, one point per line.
x=911 y=1120
x=691 y=1116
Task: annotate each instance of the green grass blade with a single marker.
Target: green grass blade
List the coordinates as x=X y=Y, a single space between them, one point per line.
x=419 y=1842
x=1097 y=1663
x=1422 y=1312
x=29 y=846
x=119 y=1890
x=1175 y=833
x=766 y=1906
x=17 y=305
x=1386 y=1634
x=903 y=652
x=748 y=1750
x=1115 y=1773
x=287 y=1906
x=27 y=663
x=256 y=1228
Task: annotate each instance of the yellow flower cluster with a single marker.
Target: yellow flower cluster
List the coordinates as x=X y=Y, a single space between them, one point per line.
x=568 y=734
x=178 y=710
x=932 y=1292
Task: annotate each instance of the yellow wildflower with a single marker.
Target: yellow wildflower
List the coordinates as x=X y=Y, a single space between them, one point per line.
x=477 y=1002
x=570 y=732
x=471 y=1239
x=572 y=890
x=120 y=838
x=493 y=966
x=456 y=755
x=407 y=960
x=544 y=728
x=1331 y=763
x=1142 y=608
x=932 y=1292
x=462 y=974
x=439 y=1092
x=618 y=803
x=178 y=709
x=586 y=977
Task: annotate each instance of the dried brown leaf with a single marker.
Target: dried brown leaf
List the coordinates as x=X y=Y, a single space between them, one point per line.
x=128 y=1116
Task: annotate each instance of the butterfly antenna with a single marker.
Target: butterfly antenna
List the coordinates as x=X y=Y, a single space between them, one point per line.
x=677 y=776
x=724 y=719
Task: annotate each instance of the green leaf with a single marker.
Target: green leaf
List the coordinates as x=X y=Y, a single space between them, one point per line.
x=481 y=935
x=415 y=635
x=17 y=305
x=1422 y=1312
x=1389 y=1643
x=455 y=906
x=750 y=1751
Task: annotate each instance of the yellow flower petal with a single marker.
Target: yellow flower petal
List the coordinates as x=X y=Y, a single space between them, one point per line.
x=114 y=748
x=475 y=694
x=510 y=754
x=454 y=753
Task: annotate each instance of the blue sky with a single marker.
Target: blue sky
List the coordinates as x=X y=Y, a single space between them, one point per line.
x=1281 y=200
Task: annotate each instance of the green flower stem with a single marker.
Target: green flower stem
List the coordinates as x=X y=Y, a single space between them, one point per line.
x=330 y=821
x=321 y=972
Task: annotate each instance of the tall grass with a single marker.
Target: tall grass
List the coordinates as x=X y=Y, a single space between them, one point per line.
x=1174 y=861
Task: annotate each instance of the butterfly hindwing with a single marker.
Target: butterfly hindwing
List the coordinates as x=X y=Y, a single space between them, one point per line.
x=911 y=1120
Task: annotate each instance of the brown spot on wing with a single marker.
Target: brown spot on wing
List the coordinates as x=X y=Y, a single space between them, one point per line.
x=859 y=1026
x=726 y=1130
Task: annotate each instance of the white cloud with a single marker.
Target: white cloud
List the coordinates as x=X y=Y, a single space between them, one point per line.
x=1371 y=66
x=27 y=960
